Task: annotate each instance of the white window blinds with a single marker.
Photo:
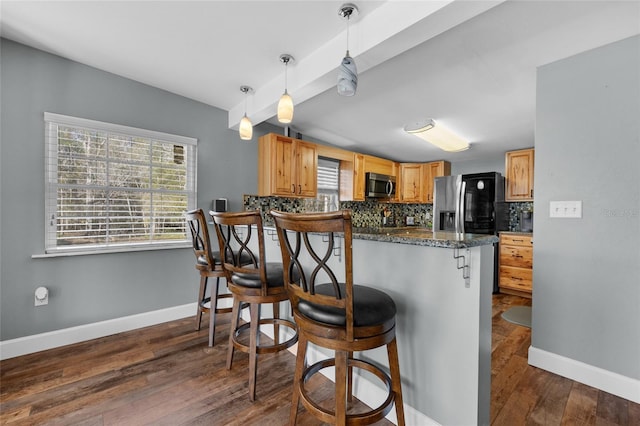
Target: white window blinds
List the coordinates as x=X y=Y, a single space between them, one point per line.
x=328 y=174
x=113 y=186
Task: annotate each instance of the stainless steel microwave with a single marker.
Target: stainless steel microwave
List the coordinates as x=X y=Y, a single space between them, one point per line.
x=380 y=186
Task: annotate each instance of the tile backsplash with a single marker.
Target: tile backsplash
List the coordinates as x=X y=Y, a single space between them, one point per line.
x=367 y=214
x=515 y=209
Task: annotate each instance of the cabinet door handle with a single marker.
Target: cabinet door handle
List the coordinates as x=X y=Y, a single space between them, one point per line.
x=532 y=193
x=516 y=278
x=516 y=255
x=299 y=189
x=293 y=188
x=518 y=241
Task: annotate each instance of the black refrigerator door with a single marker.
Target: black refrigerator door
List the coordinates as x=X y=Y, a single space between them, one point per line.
x=479 y=204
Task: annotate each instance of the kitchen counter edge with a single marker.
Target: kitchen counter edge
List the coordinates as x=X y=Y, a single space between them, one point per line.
x=421 y=238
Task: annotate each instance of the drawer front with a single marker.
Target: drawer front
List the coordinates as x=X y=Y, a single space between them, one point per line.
x=517 y=278
x=516 y=256
x=516 y=240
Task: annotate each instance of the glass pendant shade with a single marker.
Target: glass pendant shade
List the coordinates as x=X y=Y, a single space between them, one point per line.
x=285 y=104
x=285 y=108
x=246 y=128
x=347 y=76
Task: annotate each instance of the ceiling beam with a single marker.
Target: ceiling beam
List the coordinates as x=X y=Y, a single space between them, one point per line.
x=387 y=31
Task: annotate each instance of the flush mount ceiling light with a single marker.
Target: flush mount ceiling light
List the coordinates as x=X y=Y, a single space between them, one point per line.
x=347 y=72
x=285 y=105
x=437 y=135
x=246 y=128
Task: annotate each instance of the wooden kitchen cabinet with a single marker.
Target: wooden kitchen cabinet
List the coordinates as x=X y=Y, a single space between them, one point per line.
x=516 y=263
x=380 y=165
x=411 y=182
x=363 y=164
x=287 y=167
x=519 y=175
x=358 y=177
x=435 y=169
x=416 y=180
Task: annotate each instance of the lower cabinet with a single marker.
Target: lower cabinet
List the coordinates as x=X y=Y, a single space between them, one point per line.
x=516 y=263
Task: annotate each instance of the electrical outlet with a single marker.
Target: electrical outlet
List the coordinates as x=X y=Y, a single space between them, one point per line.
x=41 y=296
x=565 y=209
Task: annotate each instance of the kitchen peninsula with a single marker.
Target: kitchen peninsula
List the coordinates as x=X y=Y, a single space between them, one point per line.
x=441 y=284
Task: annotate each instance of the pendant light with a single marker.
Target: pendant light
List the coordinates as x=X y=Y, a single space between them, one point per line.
x=246 y=128
x=285 y=105
x=347 y=71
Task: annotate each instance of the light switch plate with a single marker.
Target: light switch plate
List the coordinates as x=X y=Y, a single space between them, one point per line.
x=565 y=209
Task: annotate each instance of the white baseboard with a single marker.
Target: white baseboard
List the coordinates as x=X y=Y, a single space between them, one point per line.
x=613 y=383
x=53 y=339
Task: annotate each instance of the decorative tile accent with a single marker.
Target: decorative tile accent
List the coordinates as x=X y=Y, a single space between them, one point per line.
x=514 y=214
x=365 y=214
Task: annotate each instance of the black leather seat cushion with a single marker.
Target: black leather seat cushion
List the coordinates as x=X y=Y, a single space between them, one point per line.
x=275 y=277
x=202 y=260
x=244 y=258
x=370 y=307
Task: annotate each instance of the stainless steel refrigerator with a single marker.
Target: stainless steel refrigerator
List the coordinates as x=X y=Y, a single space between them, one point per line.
x=472 y=204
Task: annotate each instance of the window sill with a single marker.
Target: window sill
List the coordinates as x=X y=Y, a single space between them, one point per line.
x=63 y=253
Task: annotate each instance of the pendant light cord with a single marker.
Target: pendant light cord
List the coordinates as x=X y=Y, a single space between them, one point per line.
x=246 y=92
x=348 y=19
x=286 y=66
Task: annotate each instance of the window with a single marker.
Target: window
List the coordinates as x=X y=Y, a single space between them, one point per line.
x=328 y=184
x=111 y=187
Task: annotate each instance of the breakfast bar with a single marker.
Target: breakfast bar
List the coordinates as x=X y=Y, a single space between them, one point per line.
x=442 y=284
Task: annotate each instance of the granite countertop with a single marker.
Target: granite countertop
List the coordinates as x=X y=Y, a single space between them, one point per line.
x=423 y=237
x=417 y=236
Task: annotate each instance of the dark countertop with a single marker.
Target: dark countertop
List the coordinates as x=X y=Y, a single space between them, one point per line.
x=517 y=233
x=418 y=236
x=423 y=237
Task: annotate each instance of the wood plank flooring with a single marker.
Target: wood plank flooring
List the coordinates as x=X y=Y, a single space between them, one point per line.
x=526 y=395
x=166 y=375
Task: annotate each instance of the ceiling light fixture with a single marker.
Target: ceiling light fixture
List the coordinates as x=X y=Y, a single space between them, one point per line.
x=437 y=135
x=246 y=128
x=347 y=72
x=285 y=105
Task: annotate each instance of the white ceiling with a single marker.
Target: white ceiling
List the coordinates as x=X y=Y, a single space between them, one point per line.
x=470 y=65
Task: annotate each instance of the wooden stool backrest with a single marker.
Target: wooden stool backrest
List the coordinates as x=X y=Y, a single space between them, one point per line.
x=293 y=234
x=235 y=235
x=200 y=239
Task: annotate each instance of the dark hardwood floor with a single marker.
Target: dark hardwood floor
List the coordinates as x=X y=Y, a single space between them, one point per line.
x=167 y=375
x=526 y=395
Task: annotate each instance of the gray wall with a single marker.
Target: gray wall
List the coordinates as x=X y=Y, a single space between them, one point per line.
x=86 y=289
x=467 y=167
x=586 y=291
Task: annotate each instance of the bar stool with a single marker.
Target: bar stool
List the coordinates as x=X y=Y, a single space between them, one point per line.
x=256 y=283
x=336 y=315
x=208 y=263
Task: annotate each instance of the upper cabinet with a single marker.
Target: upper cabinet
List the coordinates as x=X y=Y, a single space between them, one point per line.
x=416 y=180
x=363 y=164
x=412 y=182
x=358 y=177
x=519 y=175
x=380 y=165
x=286 y=167
x=435 y=169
